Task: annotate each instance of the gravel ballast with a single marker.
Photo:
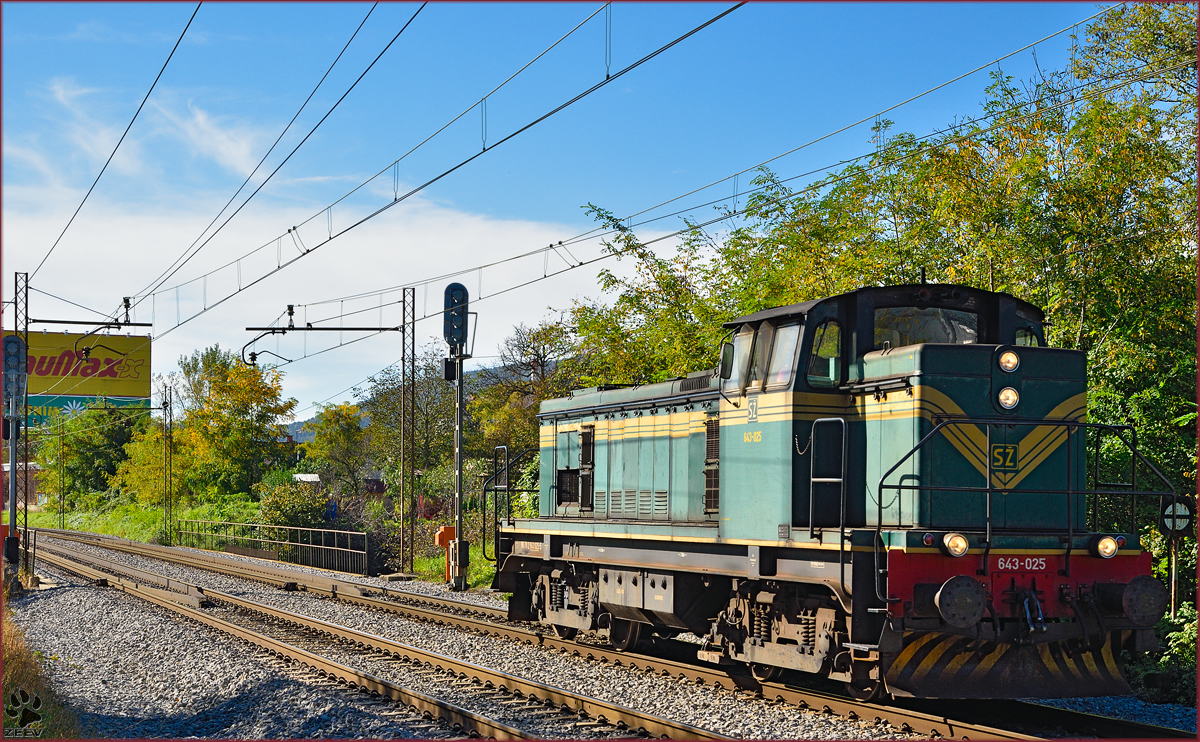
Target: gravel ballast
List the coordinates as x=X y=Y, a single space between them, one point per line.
x=702 y=706
x=706 y=707
x=133 y=669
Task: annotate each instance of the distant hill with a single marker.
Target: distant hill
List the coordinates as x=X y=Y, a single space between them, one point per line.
x=297 y=432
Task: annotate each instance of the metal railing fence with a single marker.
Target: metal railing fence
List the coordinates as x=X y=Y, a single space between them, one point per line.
x=341 y=551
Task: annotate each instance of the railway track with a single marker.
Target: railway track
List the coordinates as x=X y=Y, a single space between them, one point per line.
x=306 y=641
x=977 y=720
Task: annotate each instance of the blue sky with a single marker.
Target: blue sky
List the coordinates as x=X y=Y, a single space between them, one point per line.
x=765 y=79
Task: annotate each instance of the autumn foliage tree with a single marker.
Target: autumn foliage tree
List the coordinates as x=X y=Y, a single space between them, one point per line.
x=341 y=446
x=228 y=432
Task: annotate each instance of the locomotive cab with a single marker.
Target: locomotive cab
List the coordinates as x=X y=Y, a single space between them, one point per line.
x=890 y=487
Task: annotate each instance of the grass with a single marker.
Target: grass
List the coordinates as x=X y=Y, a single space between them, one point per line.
x=140 y=523
x=433 y=568
x=130 y=520
x=23 y=674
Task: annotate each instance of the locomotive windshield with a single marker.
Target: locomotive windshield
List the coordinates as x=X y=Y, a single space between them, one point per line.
x=899 y=326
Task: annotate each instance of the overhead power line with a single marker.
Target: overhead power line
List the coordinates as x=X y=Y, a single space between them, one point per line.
x=122 y=139
x=883 y=164
x=289 y=156
x=334 y=235
x=68 y=301
x=749 y=191
x=176 y=265
x=602 y=231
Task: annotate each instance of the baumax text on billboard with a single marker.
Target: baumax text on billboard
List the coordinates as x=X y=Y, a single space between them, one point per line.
x=116 y=366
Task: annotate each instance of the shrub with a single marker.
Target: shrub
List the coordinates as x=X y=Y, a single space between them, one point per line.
x=293 y=504
x=1174 y=666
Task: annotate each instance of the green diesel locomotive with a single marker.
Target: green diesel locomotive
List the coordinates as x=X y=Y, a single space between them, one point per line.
x=894 y=488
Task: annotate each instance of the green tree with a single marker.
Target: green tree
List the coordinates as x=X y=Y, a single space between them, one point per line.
x=340 y=442
x=382 y=401
x=1073 y=190
x=536 y=363
x=81 y=453
x=294 y=504
x=234 y=432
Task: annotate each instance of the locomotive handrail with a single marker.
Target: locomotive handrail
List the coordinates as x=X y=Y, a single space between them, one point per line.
x=1071 y=426
x=490 y=484
x=841 y=481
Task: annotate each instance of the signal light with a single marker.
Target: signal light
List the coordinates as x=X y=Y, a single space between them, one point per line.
x=454 y=323
x=927 y=539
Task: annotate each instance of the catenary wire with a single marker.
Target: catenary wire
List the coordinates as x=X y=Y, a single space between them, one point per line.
x=593 y=232
x=68 y=301
x=289 y=156
x=453 y=169
x=723 y=217
x=172 y=267
x=747 y=192
x=409 y=152
x=122 y=139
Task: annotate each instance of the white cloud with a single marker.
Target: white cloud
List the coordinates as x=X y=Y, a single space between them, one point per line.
x=92 y=138
x=233 y=147
x=116 y=250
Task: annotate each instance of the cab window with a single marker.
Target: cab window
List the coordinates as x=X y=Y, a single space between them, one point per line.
x=741 y=356
x=824 y=365
x=1026 y=336
x=762 y=347
x=783 y=355
x=899 y=326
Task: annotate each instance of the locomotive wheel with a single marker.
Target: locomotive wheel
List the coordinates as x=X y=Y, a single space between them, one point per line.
x=864 y=690
x=765 y=673
x=625 y=635
x=565 y=633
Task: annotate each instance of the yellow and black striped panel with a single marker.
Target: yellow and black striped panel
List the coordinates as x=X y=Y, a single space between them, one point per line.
x=937 y=665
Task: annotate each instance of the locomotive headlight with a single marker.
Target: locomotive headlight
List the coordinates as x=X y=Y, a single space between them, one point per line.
x=1104 y=547
x=955 y=544
x=1009 y=361
x=1008 y=398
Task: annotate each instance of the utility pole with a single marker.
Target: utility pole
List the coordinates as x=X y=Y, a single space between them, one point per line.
x=62 y=474
x=455 y=333
x=25 y=446
x=408 y=431
x=168 y=462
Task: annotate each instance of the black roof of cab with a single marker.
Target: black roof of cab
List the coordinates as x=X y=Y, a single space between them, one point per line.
x=790 y=310
x=999 y=313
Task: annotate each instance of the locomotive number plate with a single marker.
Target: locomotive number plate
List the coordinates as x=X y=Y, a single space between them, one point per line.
x=1021 y=564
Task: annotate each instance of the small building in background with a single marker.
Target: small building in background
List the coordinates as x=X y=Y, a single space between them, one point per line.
x=311 y=479
x=31 y=499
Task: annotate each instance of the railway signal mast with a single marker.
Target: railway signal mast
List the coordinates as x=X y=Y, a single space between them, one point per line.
x=15 y=376
x=454 y=330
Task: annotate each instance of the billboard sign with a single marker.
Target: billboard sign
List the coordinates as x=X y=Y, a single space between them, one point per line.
x=116 y=373
x=116 y=366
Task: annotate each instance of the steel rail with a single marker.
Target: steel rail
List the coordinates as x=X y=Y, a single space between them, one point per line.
x=603 y=711
x=449 y=713
x=905 y=719
x=909 y=719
